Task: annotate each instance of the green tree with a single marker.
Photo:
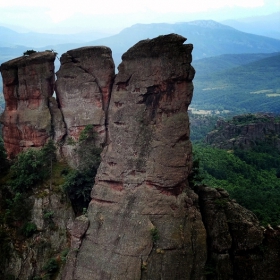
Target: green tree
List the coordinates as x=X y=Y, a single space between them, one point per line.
x=249 y=176
x=79 y=183
x=32 y=167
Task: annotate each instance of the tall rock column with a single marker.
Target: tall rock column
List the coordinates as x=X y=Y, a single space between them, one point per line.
x=144 y=218
x=28 y=83
x=83 y=88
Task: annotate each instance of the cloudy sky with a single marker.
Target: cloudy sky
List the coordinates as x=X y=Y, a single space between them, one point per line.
x=61 y=15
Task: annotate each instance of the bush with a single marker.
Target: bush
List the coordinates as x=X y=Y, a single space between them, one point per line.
x=79 y=182
x=28 y=229
x=78 y=187
x=29 y=52
x=27 y=170
x=32 y=167
x=51 y=266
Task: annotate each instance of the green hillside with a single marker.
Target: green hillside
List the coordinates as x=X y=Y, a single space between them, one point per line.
x=253 y=87
x=251 y=177
x=205 y=66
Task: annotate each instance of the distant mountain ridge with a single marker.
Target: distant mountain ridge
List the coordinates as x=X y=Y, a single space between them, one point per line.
x=37 y=40
x=252 y=87
x=261 y=25
x=209 y=38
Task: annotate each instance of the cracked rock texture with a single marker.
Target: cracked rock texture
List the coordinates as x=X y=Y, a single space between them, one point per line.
x=238 y=247
x=144 y=218
x=28 y=83
x=83 y=88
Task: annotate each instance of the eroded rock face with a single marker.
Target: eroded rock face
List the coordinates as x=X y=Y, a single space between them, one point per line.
x=144 y=218
x=83 y=88
x=238 y=247
x=28 y=83
x=52 y=215
x=245 y=131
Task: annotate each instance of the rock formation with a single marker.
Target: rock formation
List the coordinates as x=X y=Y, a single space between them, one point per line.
x=245 y=131
x=145 y=220
x=238 y=247
x=52 y=215
x=28 y=83
x=83 y=89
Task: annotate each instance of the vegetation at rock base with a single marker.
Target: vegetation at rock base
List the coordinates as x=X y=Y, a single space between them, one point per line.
x=79 y=182
x=21 y=179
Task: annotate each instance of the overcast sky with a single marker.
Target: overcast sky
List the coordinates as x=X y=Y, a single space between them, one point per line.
x=61 y=15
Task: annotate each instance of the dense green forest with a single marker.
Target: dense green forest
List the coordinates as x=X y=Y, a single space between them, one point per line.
x=251 y=176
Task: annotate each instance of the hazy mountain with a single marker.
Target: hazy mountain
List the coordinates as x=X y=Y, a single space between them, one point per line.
x=252 y=87
x=209 y=38
x=36 y=40
x=261 y=25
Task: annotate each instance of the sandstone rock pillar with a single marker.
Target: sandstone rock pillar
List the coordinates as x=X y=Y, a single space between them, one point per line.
x=144 y=217
x=83 y=87
x=28 y=83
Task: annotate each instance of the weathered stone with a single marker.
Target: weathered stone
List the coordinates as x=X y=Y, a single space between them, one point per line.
x=28 y=83
x=141 y=187
x=83 y=88
x=238 y=247
x=52 y=215
x=245 y=131
x=77 y=231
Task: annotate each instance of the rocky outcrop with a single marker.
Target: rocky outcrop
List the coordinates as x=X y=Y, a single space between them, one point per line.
x=238 y=247
x=28 y=83
x=245 y=131
x=83 y=89
x=144 y=218
x=36 y=256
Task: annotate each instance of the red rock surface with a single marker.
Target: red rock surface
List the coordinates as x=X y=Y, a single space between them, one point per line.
x=83 y=88
x=28 y=83
x=141 y=187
